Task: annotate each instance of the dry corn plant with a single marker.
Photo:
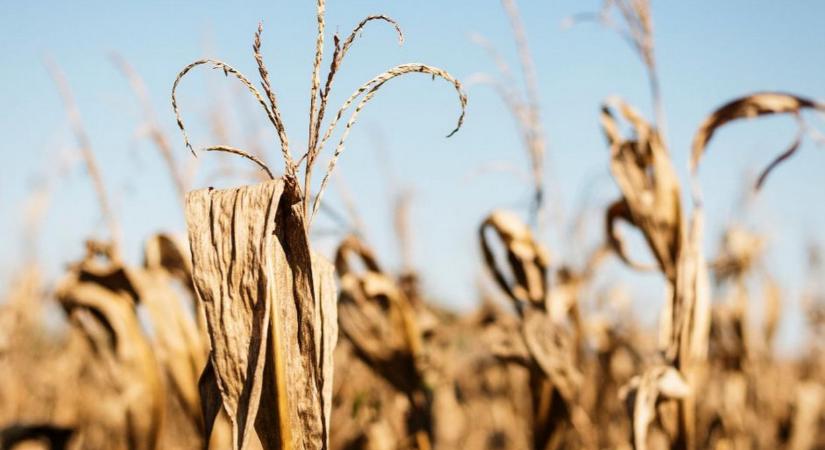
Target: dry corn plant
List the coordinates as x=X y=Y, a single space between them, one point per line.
x=753 y=393
x=551 y=352
x=740 y=356
x=546 y=348
x=380 y=322
x=651 y=203
x=269 y=300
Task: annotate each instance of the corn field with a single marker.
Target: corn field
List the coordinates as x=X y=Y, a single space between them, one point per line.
x=241 y=333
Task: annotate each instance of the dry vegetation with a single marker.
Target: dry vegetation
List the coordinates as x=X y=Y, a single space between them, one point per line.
x=247 y=338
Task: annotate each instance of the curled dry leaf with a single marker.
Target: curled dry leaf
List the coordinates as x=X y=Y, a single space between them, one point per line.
x=269 y=307
x=619 y=210
x=165 y=252
x=650 y=188
x=755 y=105
x=527 y=259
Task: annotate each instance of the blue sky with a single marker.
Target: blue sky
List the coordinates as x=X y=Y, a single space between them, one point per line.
x=708 y=52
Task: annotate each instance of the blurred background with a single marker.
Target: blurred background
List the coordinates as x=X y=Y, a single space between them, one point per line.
x=706 y=52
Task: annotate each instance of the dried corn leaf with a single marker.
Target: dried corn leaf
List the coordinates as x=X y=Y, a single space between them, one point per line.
x=619 y=210
x=527 y=259
x=254 y=272
x=379 y=321
x=649 y=185
x=351 y=245
x=747 y=107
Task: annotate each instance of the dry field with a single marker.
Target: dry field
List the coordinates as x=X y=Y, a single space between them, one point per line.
x=242 y=336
